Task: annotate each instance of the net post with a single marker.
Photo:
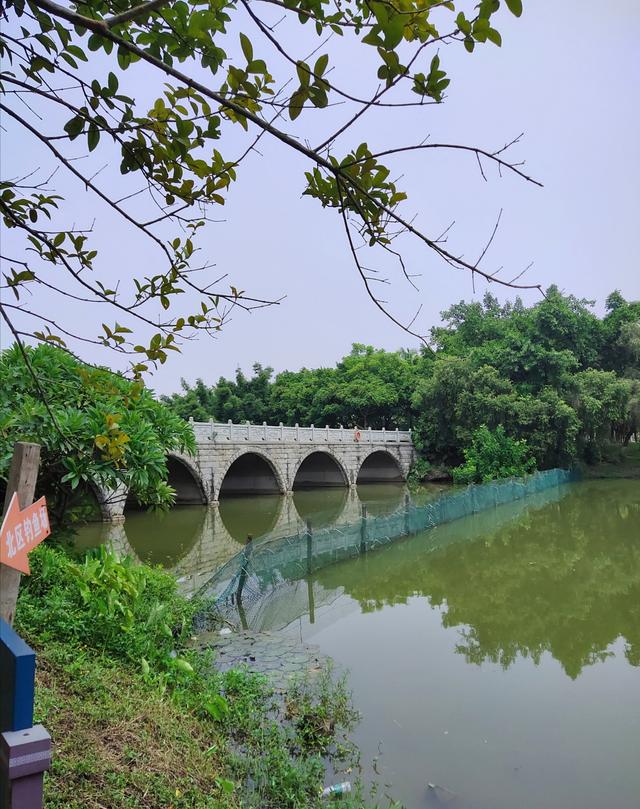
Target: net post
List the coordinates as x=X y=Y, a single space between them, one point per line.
x=407 y=505
x=363 y=530
x=309 y=535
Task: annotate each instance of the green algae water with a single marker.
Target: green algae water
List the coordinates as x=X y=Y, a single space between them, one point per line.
x=192 y=542
x=497 y=656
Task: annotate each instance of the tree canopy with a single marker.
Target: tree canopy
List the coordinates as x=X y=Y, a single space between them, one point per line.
x=95 y=428
x=162 y=160
x=554 y=375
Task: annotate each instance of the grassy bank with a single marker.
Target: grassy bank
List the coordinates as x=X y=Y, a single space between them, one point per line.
x=625 y=463
x=140 y=720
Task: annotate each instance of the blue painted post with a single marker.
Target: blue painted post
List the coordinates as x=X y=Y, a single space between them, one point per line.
x=25 y=751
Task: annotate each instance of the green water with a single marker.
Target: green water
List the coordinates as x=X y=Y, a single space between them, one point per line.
x=194 y=541
x=498 y=656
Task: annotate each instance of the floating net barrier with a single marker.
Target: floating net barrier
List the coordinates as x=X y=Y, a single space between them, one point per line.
x=270 y=567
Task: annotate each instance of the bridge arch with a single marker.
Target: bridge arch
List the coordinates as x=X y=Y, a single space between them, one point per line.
x=319 y=468
x=185 y=478
x=380 y=466
x=251 y=472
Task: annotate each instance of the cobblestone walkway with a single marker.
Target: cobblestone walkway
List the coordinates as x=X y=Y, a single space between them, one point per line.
x=278 y=656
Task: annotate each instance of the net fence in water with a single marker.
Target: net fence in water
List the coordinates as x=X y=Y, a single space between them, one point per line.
x=240 y=590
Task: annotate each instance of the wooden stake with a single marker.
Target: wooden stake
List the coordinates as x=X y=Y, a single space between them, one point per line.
x=23 y=476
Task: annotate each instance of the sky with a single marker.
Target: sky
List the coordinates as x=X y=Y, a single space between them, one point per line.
x=567 y=76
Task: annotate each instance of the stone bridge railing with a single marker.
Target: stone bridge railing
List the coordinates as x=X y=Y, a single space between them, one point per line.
x=228 y=432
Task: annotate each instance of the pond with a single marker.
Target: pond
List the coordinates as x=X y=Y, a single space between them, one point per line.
x=194 y=541
x=504 y=665
x=496 y=657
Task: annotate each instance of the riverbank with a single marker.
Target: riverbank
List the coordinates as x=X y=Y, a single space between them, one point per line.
x=139 y=720
x=626 y=465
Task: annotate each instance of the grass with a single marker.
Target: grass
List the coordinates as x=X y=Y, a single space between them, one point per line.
x=140 y=720
x=624 y=462
x=120 y=743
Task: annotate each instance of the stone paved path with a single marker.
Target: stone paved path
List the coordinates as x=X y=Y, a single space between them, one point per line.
x=279 y=656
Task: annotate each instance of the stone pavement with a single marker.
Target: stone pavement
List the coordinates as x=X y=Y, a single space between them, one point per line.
x=274 y=654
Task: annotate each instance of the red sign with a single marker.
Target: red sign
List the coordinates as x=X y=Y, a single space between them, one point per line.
x=21 y=531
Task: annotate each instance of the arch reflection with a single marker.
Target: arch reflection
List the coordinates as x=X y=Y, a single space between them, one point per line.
x=250 y=515
x=321 y=508
x=163 y=538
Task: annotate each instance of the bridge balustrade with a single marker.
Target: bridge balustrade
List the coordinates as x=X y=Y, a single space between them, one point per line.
x=222 y=432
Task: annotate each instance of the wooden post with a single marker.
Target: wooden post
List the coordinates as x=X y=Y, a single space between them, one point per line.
x=363 y=530
x=309 y=548
x=22 y=479
x=407 y=506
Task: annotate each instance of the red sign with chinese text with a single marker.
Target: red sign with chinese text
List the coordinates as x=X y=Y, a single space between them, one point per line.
x=21 y=531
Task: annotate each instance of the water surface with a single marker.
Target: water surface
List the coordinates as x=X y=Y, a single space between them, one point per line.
x=497 y=656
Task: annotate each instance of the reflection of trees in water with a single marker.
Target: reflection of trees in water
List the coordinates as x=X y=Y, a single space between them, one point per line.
x=242 y=515
x=164 y=538
x=323 y=507
x=564 y=579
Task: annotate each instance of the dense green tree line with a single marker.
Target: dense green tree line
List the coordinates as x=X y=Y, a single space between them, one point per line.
x=553 y=375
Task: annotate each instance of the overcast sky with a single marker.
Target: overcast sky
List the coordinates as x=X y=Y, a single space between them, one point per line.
x=568 y=76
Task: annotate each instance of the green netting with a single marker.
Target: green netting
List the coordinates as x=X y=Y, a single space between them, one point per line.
x=242 y=587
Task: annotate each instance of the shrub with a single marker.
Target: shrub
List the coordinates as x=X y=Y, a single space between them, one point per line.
x=493 y=455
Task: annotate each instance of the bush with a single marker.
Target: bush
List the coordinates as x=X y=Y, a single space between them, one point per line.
x=493 y=455
x=129 y=612
x=419 y=471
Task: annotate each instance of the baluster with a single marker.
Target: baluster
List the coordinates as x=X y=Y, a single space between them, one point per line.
x=264 y=430
x=281 y=431
x=230 y=423
x=248 y=431
x=297 y=438
x=312 y=433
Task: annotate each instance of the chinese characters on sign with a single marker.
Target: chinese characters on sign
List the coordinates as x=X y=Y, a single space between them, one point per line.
x=21 y=531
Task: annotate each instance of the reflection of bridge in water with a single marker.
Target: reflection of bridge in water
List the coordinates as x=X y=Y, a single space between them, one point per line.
x=191 y=542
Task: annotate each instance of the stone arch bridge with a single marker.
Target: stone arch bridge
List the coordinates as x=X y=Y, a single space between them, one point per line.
x=233 y=459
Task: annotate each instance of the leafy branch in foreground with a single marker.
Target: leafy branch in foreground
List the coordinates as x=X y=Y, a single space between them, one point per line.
x=71 y=86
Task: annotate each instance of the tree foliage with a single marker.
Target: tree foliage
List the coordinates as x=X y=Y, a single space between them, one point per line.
x=553 y=375
x=95 y=428
x=162 y=161
x=493 y=455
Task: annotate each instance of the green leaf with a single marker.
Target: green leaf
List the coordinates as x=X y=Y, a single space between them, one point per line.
x=393 y=31
x=321 y=64
x=225 y=785
x=247 y=47
x=93 y=137
x=296 y=103
x=494 y=36
x=303 y=73
x=74 y=127
x=183 y=665
x=514 y=6
x=217 y=707
x=144 y=665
